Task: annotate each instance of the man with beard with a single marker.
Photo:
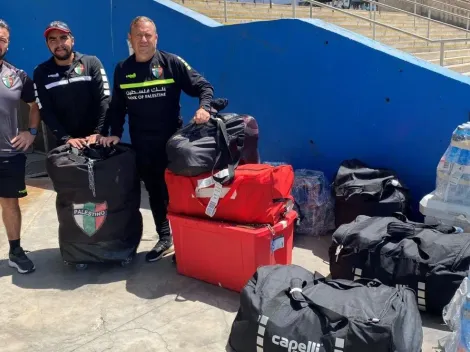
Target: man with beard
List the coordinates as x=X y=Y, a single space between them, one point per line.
x=15 y=85
x=72 y=89
x=147 y=86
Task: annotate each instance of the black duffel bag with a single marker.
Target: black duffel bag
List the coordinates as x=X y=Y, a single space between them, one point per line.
x=286 y=308
x=213 y=146
x=98 y=202
x=361 y=190
x=430 y=259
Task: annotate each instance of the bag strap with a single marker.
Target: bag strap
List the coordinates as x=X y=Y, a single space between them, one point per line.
x=417 y=225
x=224 y=149
x=300 y=301
x=347 y=284
x=233 y=188
x=297 y=295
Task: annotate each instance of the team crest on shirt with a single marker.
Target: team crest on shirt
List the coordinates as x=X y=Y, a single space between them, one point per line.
x=157 y=71
x=79 y=69
x=8 y=81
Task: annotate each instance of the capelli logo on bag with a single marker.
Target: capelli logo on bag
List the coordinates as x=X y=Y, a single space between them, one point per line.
x=294 y=346
x=291 y=345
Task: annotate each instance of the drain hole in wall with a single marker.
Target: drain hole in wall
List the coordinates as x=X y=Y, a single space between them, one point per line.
x=387 y=100
x=326 y=43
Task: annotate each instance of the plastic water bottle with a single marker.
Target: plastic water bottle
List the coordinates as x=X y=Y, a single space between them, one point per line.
x=464 y=345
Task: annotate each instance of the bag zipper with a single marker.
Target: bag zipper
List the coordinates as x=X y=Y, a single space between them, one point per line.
x=388 y=304
x=341 y=246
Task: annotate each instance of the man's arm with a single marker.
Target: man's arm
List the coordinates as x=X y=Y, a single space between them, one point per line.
x=101 y=92
x=45 y=108
x=116 y=114
x=193 y=83
x=24 y=139
x=28 y=96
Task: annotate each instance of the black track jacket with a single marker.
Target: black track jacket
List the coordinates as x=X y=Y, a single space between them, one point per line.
x=149 y=92
x=73 y=100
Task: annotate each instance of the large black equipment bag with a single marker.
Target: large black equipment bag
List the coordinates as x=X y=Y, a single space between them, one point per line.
x=287 y=308
x=98 y=202
x=430 y=259
x=224 y=142
x=361 y=190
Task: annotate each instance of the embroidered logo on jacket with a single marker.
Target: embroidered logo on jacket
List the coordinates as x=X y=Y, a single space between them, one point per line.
x=157 y=71
x=79 y=69
x=8 y=81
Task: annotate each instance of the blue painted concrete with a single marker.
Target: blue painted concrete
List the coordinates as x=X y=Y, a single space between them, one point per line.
x=321 y=94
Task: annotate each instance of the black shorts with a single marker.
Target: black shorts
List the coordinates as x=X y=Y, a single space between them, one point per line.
x=12 y=176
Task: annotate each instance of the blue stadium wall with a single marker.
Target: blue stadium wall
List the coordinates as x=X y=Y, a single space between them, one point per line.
x=321 y=94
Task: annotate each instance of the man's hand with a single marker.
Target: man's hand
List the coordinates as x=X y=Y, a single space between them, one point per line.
x=78 y=143
x=23 y=140
x=94 y=138
x=108 y=141
x=201 y=116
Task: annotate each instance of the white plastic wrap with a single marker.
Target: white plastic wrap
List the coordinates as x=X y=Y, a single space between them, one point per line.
x=453 y=171
x=314 y=202
x=452 y=315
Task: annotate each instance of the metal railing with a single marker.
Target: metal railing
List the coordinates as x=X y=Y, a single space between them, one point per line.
x=432 y=8
x=467 y=10
x=374 y=23
x=377 y=4
x=453 y=6
x=415 y=16
x=374 y=5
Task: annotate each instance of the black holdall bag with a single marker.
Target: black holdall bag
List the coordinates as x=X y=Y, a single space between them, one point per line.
x=98 y=202
x=286 y=308
x=361 y=190
x=430 y=259
x=213 y=146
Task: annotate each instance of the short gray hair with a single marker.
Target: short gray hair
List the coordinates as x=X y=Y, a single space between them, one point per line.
x=4 y=24
x=141 y=19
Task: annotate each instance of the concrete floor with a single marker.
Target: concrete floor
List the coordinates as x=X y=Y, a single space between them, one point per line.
x=144 y=307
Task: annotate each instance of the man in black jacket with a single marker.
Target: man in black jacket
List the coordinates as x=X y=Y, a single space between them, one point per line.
x=72 y=89
x=147 y=86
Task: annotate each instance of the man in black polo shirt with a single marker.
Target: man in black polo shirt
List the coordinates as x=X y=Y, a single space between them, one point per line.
x=15 y=85
x=72 y=88
x=147 y=86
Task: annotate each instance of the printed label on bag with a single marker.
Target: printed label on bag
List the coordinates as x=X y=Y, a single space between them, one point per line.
x=290 y=345
x=277 y=243
x=456 y=175
x=212 y=206
x=209 y=181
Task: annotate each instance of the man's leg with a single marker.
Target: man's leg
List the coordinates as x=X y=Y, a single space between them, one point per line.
x=12 y=187
x=153 y=176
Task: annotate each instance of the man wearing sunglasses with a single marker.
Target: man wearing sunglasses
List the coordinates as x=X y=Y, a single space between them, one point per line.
x=147 y=86
x=15 y=85
x=72 y=89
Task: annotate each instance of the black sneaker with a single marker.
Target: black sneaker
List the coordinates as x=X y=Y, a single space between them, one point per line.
x=161 y=249
x=19 y=260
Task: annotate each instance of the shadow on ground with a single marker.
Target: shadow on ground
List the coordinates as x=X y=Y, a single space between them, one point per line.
x=148 y=281
x=318 y=245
